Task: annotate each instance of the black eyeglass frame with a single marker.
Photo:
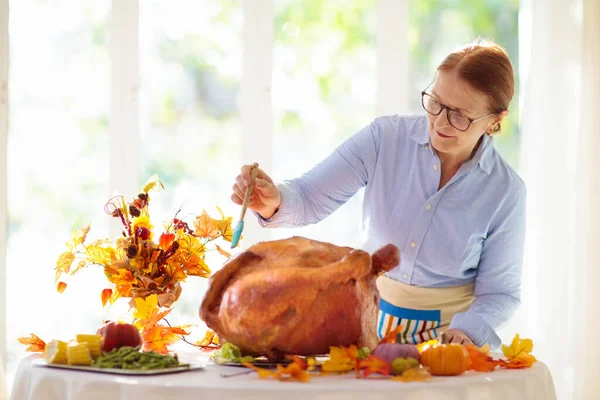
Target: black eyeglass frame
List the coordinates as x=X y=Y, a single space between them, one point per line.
x=443 y=106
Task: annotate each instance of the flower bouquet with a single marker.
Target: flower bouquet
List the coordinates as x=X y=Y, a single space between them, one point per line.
x=145 y=270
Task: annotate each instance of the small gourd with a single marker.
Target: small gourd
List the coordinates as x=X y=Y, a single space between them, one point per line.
x=446 y=359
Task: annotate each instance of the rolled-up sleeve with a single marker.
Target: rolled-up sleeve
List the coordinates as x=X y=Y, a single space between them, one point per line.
x=322 y=190
x=498 y=281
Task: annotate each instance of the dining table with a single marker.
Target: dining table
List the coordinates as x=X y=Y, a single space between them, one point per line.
x=36 y=381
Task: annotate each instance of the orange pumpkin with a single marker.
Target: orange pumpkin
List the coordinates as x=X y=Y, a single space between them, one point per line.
x=446 y=359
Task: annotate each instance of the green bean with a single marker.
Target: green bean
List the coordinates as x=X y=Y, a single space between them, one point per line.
x=132 y=358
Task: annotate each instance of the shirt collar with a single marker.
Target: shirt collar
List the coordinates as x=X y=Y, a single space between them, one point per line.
x=483 y=155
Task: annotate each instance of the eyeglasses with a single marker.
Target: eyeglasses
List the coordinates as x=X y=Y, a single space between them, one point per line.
x=455 y=118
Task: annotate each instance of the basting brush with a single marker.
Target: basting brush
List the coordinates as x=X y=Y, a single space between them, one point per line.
x=240 y=225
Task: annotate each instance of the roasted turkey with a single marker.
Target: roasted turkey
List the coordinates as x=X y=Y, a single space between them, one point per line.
x=297 y=296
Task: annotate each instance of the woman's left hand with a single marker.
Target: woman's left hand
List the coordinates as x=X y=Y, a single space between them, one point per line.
x=456 y=336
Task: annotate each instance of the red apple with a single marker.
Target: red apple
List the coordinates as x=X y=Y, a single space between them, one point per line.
x=115 y=335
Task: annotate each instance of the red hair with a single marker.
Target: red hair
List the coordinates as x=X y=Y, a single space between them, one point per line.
x=485 y=66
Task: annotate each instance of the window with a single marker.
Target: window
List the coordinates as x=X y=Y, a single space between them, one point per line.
x=439 y=27
x=57 y=163
x=324 y=84
x=192 y=74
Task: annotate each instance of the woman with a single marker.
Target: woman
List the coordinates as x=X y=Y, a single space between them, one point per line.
x=435 y=187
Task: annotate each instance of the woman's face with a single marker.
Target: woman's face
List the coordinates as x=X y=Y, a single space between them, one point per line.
x=450 y=90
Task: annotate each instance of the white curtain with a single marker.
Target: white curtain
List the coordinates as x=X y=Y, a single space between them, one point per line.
x=560 y=80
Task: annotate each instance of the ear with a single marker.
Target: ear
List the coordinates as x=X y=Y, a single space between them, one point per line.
x=494 y=124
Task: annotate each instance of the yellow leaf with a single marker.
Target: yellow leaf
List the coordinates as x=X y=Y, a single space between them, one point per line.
x=63 y=265
x=340 y=360
x=80 y=264
x=413 y=375
x=145 y=307
x=224 y=226
x=425 y=345
x=152 y=183
x=78 y=237
x=518 y=353
x=34 y=342
x=99 y=253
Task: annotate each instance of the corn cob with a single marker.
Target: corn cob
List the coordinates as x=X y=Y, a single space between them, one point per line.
x=94 y=343
x=56 y=352
x=78 y=353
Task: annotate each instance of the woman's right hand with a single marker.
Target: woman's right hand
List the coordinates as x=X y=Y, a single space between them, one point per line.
x=265 y=198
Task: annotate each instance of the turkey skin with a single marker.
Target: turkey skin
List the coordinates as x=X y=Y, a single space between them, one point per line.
x=297 y=296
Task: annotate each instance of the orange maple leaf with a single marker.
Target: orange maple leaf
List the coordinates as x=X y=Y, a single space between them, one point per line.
x=196 y=266
x=206 y=227
x=479 y=359
x=159 y=337
x=222 y=252
x=105 y=296
x=61 y=286
x=296 y=370
x=518 y=354
x=374 y=365
x=123 y=281
x=390 y=337
x=36 y=345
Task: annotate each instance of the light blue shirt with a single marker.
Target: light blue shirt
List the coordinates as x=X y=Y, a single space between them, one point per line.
x=470 y=231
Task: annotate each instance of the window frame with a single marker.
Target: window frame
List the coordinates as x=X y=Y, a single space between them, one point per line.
x=255 y=106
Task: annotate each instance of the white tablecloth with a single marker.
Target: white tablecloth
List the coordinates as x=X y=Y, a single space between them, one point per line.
x=43 y=383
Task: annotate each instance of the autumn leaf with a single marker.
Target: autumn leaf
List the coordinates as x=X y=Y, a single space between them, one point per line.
x=222 y=252
x=296 y=370
x=63 y=265
x=78 y=237
x=413 y=375
x=206 y=227
x=518 y=354
x=425 y=345
x=99 y=252
x=144 y=308
x=166 y=240
x=123 y=281
x=340 y=360
x=374 y=365
x=390 y=337
x=159 y=337
x=106 y=296
x=36 y=345
x=153 y=184
x=225 y=226
x=80 y=264
x=480 y=360
x=61 y=287
x=196 y=266
x=262 y=373
x=210 y=341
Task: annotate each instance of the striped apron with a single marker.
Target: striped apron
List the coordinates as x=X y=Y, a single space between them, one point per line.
x=423 y=312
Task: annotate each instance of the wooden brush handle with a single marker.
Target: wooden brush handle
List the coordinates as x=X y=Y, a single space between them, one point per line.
x=249 y=189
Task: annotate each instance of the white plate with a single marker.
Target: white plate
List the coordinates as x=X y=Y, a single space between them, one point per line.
x=117 y=371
